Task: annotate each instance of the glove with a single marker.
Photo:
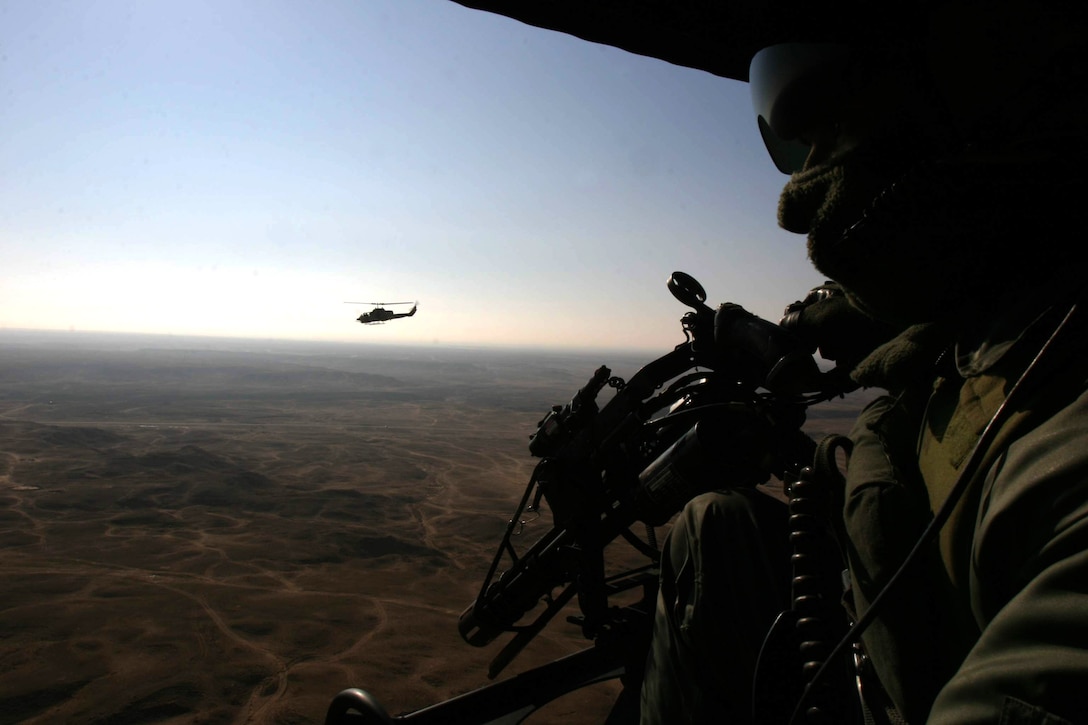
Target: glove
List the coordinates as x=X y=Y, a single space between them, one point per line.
x=826 y=321
x=764 y=353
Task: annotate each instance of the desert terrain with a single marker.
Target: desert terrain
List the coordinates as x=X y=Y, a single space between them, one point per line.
x=209 y=531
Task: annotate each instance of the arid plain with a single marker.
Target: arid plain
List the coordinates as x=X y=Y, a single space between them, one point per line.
x=198 y=531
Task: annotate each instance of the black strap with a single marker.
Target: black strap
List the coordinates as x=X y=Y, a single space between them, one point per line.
x=802 y=636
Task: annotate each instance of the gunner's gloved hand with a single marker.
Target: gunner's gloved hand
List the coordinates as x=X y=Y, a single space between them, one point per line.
x=826 y=321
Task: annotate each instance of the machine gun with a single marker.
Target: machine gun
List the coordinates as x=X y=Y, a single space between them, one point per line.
x=724 y=408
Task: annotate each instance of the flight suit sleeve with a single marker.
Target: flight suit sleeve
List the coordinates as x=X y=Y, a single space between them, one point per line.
x=886 y=509
x=1029 y=585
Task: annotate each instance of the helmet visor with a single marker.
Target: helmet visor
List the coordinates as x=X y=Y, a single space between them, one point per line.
x=796 y=88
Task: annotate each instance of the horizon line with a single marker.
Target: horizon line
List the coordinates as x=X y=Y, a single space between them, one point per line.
x=519 y=347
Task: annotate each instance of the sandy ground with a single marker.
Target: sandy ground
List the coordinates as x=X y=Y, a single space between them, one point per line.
x=213 y=538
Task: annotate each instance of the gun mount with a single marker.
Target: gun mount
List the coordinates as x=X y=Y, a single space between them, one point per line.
x=724 y=408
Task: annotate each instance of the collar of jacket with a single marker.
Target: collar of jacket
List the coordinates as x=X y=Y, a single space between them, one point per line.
x=969 y=342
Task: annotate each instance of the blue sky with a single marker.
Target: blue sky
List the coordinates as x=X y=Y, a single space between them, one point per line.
x=243 y=168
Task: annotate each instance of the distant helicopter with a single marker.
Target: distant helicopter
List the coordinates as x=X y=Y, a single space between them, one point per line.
x=379 y=314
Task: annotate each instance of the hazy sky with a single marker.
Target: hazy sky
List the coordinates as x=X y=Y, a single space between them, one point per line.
x=243 y=168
